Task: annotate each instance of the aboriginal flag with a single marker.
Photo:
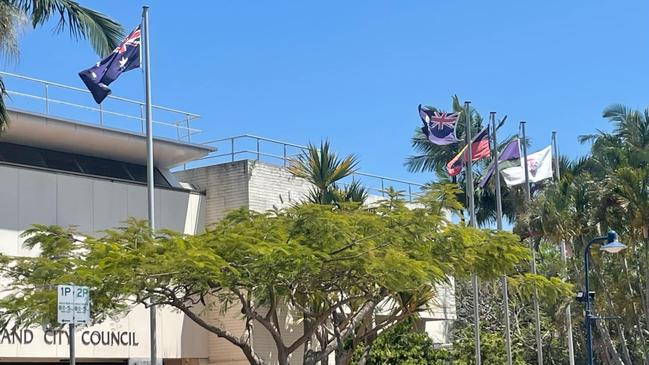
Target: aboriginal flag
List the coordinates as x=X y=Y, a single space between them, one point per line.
x=479 y=149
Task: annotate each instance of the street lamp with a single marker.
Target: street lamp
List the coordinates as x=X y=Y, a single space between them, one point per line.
x=612 y=246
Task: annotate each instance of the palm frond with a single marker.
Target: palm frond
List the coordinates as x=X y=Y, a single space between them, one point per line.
x=323 y=168
x=12 y=21
x=103 y=33
x=4 y=119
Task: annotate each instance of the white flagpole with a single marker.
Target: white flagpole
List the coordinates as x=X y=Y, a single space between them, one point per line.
x=528 y=198
x=469 y=191
x=149 y=165
x=564 y=259
x=499 y=225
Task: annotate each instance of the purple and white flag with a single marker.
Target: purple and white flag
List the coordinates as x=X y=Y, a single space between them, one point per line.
x=509 y=157
x=438 y=127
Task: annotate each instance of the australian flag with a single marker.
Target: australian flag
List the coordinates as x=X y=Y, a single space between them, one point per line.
x=439 y=128
x=123 y=58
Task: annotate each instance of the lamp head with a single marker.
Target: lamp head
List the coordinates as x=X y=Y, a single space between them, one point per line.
x=612 y=244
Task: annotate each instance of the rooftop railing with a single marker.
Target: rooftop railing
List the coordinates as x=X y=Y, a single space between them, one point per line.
x=69 y=102
x=252 y=147
x=73 y=103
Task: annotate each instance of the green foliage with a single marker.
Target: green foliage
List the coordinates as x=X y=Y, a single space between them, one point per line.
x=104 y=33
x=492 y=349
x=403 y=345
x=317 y=259
x=323 y=168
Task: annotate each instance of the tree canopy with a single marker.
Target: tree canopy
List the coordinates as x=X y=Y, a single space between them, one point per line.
x=330 y=264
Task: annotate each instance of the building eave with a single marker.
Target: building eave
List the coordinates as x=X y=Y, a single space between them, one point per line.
x=39 y=130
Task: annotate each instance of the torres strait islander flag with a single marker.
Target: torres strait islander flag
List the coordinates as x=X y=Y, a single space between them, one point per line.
x=439 y=127
x=479 y=150
x=123 y=58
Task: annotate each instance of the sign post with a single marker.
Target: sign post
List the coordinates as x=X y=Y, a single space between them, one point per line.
x=73 y=308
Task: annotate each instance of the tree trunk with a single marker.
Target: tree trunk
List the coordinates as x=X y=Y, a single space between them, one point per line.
x=611 y=307
x=635 y=312
x=625 y=349
x=645 y=233
x=607 y=342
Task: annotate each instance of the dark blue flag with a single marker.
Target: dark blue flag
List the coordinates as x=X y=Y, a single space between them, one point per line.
x=123 y=58
x=439 y=128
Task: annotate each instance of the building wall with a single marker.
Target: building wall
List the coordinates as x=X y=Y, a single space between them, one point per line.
x=33 y=196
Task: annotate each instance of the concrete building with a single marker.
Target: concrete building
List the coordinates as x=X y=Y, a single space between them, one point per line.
x=90 y=174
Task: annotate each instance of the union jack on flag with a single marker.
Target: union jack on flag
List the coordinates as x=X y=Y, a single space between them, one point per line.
x=132 y=39
x=438 y=127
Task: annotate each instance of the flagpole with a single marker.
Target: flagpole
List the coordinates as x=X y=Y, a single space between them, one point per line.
x=149 y=167
x=528 y=198
x=499 y=226
x=472 y=221
x=564 y=259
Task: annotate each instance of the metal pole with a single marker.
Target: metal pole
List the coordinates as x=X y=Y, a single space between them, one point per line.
x=47 y=104
x=232 y=148
x=71 y=339
x=469 y=191
x=589 y=313
x=285 y=155
x=499 y=225
x=528 y=197
x=257 y=149
x=149 y=167
x=189 y=130
x=101 y=115
x=555 y=152
x=564 y=258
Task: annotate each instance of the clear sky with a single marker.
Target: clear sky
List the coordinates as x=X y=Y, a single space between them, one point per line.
x=354 y=71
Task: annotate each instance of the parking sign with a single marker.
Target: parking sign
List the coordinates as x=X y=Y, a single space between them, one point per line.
x=73 y=304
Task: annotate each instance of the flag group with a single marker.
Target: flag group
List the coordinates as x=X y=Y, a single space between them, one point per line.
x=123 y=58
x=438 y=127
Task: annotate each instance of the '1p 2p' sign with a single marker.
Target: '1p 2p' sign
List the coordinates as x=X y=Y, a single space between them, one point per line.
x=73 y=304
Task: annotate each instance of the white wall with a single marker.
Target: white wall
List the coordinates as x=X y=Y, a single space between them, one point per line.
x=31 y=196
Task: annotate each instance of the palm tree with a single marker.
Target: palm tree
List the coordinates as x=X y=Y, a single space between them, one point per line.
x=323 y=168
x=103 y=33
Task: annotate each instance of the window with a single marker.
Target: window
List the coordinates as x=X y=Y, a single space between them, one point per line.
x=63 y=161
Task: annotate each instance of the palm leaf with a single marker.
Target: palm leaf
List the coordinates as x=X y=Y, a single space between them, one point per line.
x=103 y=33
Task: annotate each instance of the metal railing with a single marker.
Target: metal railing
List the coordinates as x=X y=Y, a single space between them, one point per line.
x=54 y=99
x=249 y=146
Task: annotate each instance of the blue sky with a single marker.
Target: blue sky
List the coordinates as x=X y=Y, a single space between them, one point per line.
x=354 y=71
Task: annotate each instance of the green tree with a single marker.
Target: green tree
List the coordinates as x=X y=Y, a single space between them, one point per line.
x=608 y=189
x=323 y=168
x=403 y=345
x=492 y=349
x=328 y=263
x=103 y=33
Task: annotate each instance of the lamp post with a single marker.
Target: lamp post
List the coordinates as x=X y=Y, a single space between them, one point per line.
x=612 y=246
